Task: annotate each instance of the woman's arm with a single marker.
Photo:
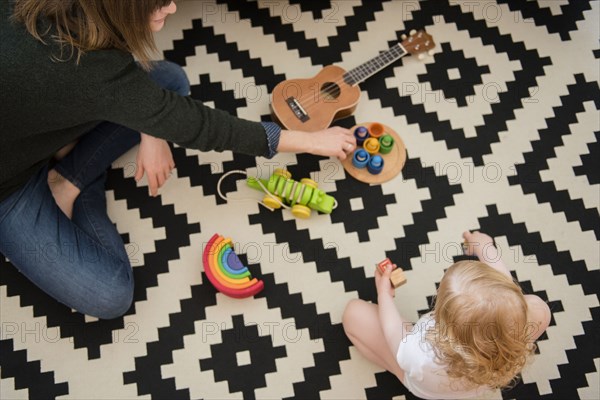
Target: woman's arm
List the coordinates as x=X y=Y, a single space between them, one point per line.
x=128 y=97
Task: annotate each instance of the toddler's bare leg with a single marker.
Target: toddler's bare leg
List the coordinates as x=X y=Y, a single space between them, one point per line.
x=363 y=328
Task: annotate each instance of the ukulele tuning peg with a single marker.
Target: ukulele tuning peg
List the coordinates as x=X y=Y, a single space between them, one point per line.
x=412 y=32
x=431 y=52
x=421 y=56
x=403 y=37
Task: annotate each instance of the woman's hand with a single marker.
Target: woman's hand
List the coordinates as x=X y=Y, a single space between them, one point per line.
x=335 y=142
x=155 y=159
x=331 y=142
x=383 y=283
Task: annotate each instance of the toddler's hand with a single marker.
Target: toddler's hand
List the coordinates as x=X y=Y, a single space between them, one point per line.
x=383 y=283
x=476 y=242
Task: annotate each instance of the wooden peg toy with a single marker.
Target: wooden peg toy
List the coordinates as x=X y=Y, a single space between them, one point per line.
x=361 y=158
x=375 y=164
x=386 y=143
x=397 y=279
x=361 y=134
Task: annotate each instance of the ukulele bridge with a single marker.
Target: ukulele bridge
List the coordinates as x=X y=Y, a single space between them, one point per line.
x=297 y=109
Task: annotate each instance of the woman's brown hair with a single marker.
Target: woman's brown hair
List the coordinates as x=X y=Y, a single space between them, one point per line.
x=85 y=25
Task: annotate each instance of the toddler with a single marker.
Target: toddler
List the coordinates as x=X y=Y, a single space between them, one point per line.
x=477 y=338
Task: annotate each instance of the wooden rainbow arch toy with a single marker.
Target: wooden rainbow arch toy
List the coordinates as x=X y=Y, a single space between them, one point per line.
x=225 y=270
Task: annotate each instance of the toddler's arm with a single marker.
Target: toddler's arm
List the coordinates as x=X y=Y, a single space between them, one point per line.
x=481 y=245
x=392 y=324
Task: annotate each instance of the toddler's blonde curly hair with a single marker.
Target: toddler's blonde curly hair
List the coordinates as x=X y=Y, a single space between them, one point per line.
x=481 y=332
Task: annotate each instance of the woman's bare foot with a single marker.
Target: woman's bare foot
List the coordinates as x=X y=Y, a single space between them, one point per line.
x=63 y=191
x=60 y=154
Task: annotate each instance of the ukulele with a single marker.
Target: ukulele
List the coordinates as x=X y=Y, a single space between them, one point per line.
x=312 y=104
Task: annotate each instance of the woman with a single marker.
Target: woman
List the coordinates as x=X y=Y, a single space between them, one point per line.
x=73 y=101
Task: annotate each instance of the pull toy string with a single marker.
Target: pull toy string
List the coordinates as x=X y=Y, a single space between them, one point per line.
x=264 y=189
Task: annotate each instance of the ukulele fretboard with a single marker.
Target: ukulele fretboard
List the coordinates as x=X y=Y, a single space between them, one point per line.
x=365 y=70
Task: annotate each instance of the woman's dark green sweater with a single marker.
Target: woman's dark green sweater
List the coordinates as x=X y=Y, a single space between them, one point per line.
x=46 y=104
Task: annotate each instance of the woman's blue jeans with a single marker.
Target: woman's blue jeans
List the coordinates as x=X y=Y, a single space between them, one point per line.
x=81 y=261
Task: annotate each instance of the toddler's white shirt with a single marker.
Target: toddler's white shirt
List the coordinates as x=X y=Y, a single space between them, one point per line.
x=423 y=376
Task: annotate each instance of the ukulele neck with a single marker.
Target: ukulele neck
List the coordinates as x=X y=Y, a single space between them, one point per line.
x=374 y=65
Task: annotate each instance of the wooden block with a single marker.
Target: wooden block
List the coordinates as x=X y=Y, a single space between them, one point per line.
x=397 y=278
x=384 y=263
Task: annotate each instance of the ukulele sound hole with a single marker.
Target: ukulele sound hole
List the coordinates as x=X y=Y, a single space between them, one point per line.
x=330 y=91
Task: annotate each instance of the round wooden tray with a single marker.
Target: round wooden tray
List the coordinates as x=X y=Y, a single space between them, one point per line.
x=393 y=161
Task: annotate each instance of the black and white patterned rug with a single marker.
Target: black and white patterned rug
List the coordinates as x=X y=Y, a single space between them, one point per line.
x=501 y=126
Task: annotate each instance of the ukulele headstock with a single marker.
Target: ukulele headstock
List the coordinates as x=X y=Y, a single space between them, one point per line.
x=418 y=42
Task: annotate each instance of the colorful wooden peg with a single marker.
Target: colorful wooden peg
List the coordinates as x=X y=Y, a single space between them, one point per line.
x=371 y=145
x=360 y=158
x=361 y=134
x=376 y=130
x=375 y=165
x=386 y=143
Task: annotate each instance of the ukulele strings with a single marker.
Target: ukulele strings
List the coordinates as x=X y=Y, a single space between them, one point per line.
x=334 y=86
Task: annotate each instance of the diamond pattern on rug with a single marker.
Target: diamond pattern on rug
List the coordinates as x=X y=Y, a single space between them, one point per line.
x=501 y=129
